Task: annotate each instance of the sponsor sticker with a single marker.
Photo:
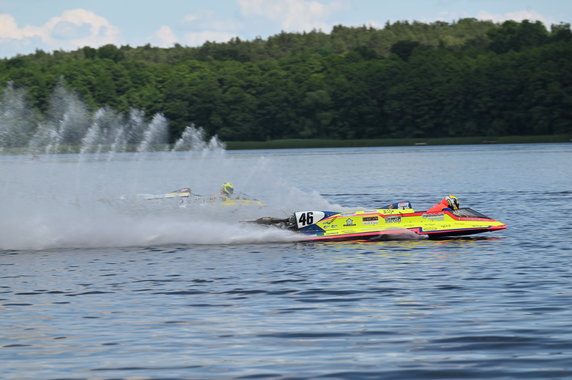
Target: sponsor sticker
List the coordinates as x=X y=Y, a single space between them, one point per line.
x=349 y=223
x=439 y=217
x=370 y=220
x=393 y=219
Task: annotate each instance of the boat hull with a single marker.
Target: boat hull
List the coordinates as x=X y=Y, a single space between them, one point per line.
x=385 y=224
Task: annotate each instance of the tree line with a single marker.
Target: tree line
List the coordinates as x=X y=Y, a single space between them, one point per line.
x=466 y=78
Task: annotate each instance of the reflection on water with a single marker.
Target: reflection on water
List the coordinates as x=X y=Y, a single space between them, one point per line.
x=493 y=306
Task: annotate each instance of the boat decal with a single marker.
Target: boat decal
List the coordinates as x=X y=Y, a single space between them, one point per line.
x=370 y=220
x=393 y=219
x=349 y=223
x=439 y=217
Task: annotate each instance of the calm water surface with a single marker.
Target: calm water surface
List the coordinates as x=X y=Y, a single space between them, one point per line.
x=99 y=300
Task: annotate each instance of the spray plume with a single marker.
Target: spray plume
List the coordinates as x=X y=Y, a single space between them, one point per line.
x=71 y=179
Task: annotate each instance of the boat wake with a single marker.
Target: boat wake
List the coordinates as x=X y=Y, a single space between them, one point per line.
x=65 y=201
x=38 y=231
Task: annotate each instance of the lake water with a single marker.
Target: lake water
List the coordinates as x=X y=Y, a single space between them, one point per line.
x=97 y=284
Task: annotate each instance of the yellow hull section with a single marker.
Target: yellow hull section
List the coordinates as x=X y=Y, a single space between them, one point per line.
x=371 y=224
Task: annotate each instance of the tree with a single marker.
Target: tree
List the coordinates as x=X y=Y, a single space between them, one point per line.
x=404 y=49
x=516 y=36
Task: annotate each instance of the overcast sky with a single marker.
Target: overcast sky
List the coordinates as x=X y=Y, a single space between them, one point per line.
x=27 y=25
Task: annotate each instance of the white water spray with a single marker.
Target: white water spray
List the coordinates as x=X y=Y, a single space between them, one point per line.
x=70 y=179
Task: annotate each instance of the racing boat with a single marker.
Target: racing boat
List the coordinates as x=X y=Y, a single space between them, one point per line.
x=186 y=198
x=397 y=220
x=180 y=193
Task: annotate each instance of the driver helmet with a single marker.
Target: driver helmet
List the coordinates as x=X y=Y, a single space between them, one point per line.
x=227 y=189
x=452 y=201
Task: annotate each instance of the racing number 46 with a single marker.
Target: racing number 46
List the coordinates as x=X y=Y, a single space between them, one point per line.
x=306 y=218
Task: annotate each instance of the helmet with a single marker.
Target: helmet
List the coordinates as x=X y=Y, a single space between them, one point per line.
x=453 y=202
x=227 y=188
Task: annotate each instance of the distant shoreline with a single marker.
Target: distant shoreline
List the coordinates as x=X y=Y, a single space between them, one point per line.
x=331 y=143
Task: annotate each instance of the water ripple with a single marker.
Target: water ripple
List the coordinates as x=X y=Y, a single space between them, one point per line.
x=479 y=308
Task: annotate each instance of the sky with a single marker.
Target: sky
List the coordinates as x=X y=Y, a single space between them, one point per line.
x=48 y=25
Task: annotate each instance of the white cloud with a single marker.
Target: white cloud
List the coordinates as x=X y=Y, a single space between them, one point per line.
x=72 y=29
x=516 y=16
x=9 y=29
x=166 y=36
x=292 y=15
x=207 y=26
x=100 y=31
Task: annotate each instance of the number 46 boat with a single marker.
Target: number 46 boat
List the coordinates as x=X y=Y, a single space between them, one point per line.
x=397 y=220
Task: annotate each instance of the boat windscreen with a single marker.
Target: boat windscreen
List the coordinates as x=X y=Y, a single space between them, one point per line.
x=469 y=213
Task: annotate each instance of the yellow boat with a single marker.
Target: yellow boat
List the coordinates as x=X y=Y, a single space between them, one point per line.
x=187 y=198
x=378 y=224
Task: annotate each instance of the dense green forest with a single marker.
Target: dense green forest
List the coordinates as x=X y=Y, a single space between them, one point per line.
x=467 y=78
